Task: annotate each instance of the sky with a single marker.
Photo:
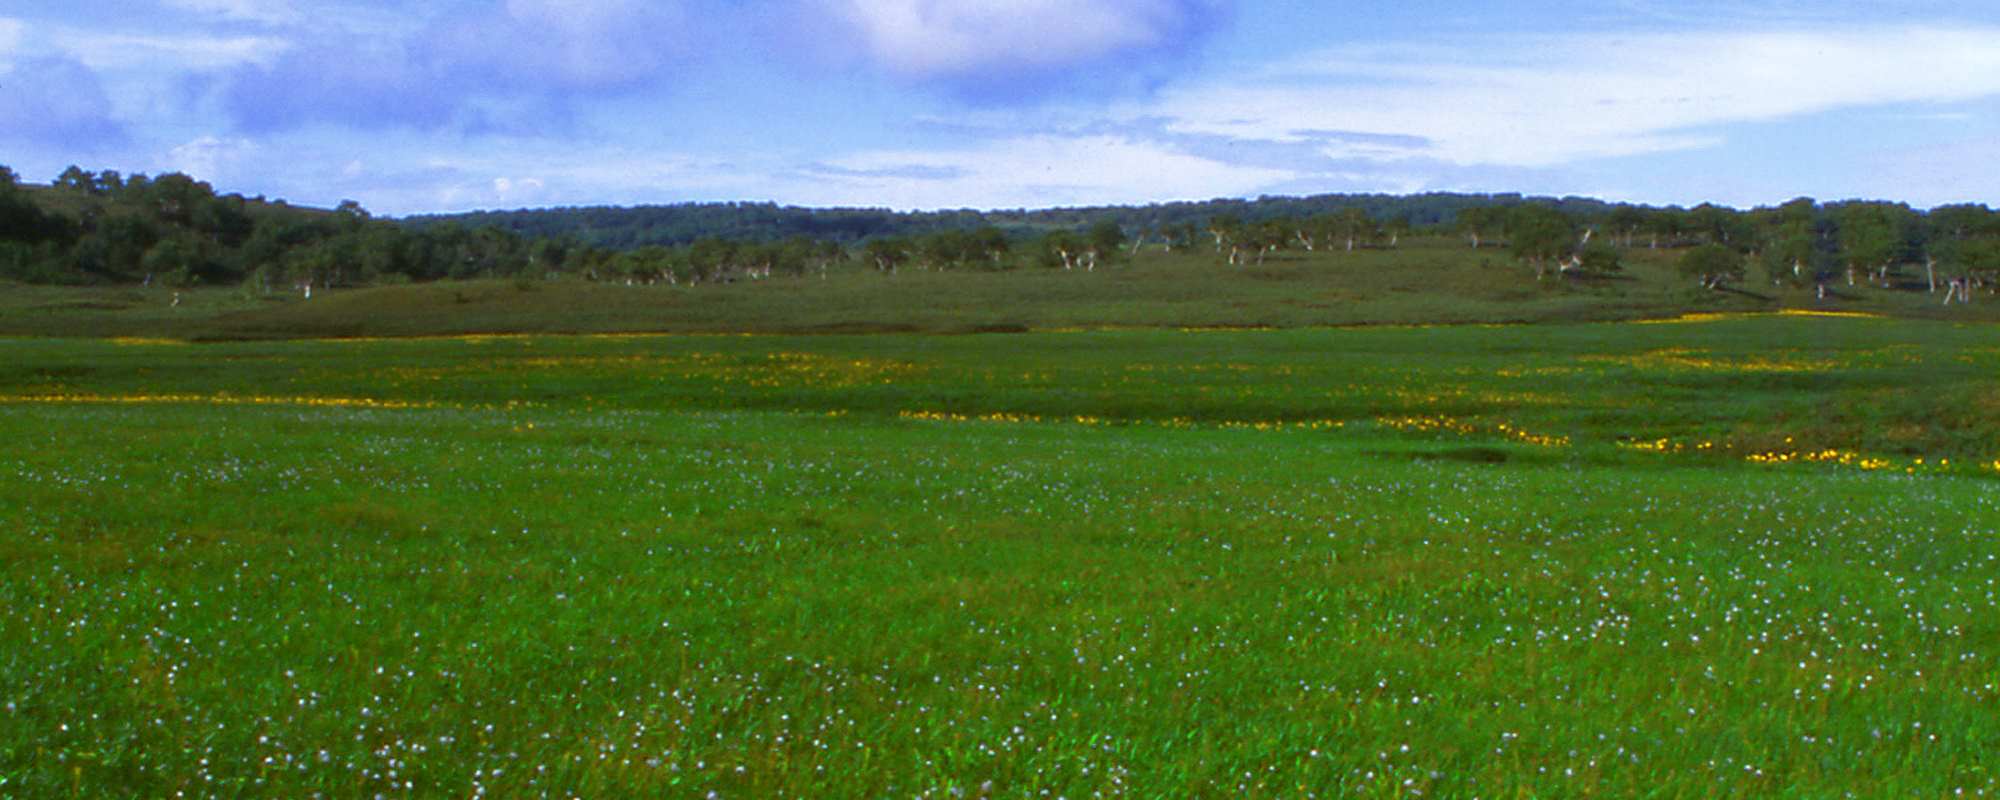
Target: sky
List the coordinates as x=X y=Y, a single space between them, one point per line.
x=456 y=105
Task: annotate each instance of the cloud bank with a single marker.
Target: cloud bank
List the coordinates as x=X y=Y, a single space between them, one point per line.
x=515 y=61
x=1551 y=100
x=1023 y=47
x=58 y=103
x=955 y=103
x=518 y=65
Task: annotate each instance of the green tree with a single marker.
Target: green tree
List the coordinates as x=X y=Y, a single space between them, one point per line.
x=1712 y=264
x=1600 y=258
x=887 y=253
x=1714 y=224
x=1625 y=222
x=1873 y=238
x=1665 y=225
x=1540 y=236
x=944 y=249
x=117 y=245
x=1354 y=225
x=1948 y=232
x=1396 y=228
x=1103 y=243
x=1061 y=248
x=1267 y=237
x=1791 y=258
x=990 y=243
x=75 y=179
x=1226 y=230
x=21 y=220
x=182 y=259
x=1480 y=223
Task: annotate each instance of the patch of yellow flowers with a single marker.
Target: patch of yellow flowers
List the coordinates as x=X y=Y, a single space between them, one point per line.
x=1789 y=312
x=1183 y=423
x=86 y=398
x=1453 y=425
x=1692 y=359
x=1830 y=456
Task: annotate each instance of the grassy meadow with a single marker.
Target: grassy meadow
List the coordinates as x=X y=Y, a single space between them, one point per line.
x=1427 y=280
x=1725 y=555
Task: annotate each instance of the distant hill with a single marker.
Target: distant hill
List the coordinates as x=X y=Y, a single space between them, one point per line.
x=626 y=228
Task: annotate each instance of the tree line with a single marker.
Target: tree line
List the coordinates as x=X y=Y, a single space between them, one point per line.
x=106 y=228
x=627 y=228
x=102 y=227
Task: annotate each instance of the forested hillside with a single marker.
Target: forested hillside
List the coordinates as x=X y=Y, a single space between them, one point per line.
x=627 y=228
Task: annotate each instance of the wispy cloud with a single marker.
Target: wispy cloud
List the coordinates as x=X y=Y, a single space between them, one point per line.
x=1549 y=100
x=1033 y=171
x=166 y=53
x=269 y=12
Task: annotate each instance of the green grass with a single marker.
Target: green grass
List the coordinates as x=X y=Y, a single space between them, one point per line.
x=1380 y=562
x=1426 y=281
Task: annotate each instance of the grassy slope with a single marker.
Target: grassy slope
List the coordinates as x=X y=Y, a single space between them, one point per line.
x=1426 y=281
x=669 y=565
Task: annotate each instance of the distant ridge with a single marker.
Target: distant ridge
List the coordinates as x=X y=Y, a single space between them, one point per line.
x=628 y=227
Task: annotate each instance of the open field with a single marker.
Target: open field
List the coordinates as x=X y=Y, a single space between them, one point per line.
x=1728 y=555
x=1424 y=281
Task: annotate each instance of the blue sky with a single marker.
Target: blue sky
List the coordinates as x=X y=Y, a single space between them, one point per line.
x=465 y=104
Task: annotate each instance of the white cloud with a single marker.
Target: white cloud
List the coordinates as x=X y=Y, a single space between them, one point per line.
x=1551 y=100
x=12 y=31
x=270 y=12
x=518 y=191
x=930 y=38
x=165 y=53
x=219 y=161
